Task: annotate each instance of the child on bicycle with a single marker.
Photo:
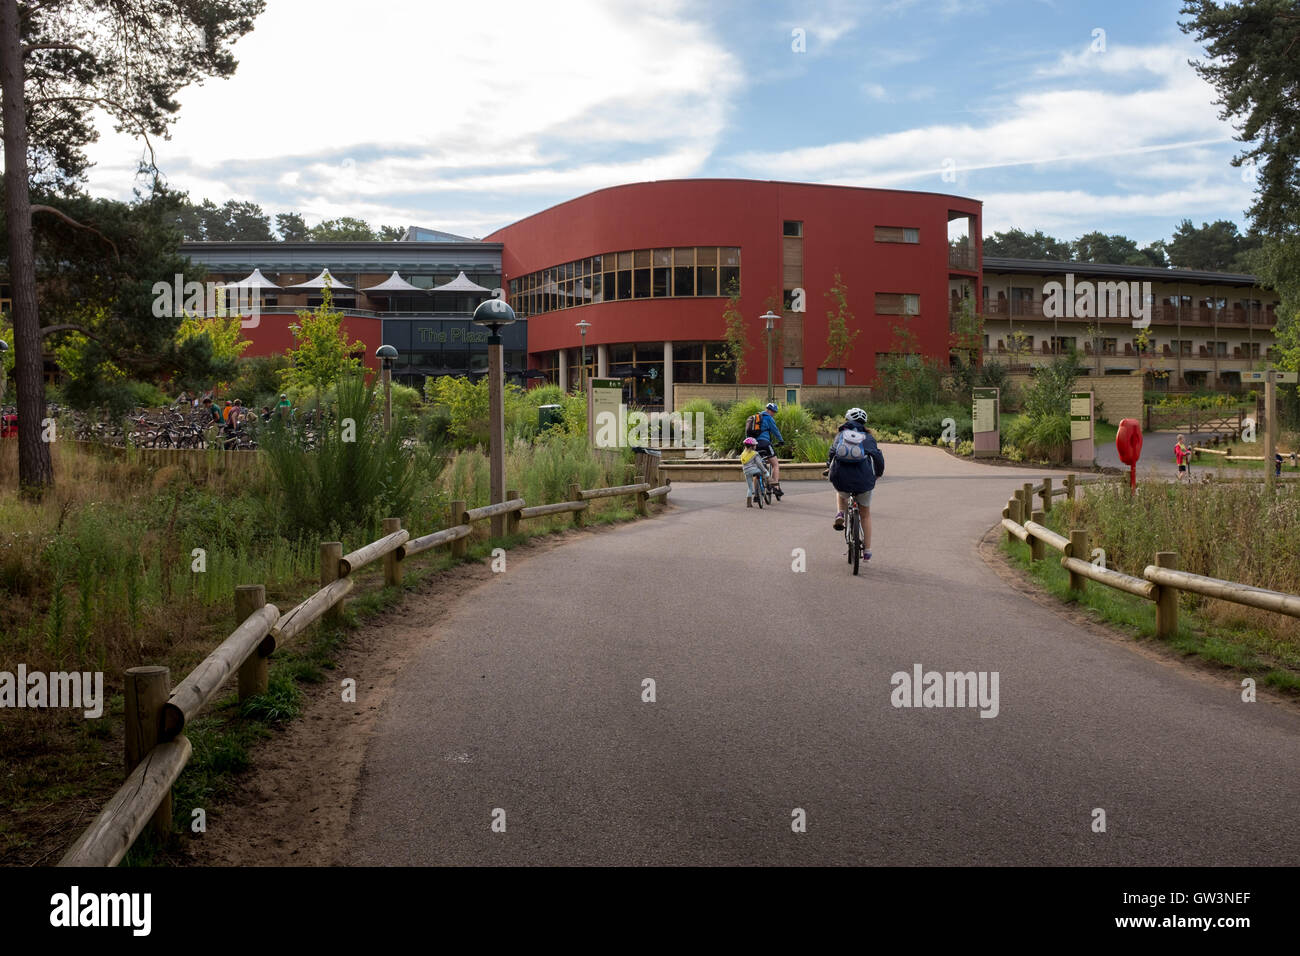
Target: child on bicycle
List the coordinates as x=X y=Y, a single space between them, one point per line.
x=853 y=465
x=752 y=464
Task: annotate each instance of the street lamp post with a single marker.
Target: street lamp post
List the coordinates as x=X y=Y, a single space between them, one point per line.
x=583 y=326
x=770 y=318
x=387 y=353
x=495 y=313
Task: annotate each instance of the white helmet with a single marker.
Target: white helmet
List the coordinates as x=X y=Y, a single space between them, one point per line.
x=856 y=415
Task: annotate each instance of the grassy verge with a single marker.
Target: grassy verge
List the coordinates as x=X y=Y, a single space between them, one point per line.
x=99 y=577
x=1237 y=645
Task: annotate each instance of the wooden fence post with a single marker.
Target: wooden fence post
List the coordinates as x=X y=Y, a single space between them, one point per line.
x=1027 y=498
x=641 y=500
x=1069 y=487
x=459 y=547
x=1035 y=542
x=575 y=494
x=392 y=566
x=1166 y=597
x=512 y=517
x=1079 y=549
x=147 y=689
x=1013 y=509
x=253 y=673
x=1047 y=495
x=331 y=552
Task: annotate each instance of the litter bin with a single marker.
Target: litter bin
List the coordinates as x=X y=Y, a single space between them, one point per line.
x=548 y=415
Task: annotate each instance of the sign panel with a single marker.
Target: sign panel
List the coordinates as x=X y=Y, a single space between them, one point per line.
x=1080 y=416
x=604 y=399
x=984 y=410
x=1282 y=378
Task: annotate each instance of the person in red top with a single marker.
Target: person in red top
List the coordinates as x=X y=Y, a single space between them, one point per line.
x=1181 y=454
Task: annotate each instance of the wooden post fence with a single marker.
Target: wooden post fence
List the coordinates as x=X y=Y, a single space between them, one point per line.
x=1166 y=597
x=253 y=673
x=392 y=560
x=147 y=690
x=459 y=547
x=331 y=552
x=1079 y=549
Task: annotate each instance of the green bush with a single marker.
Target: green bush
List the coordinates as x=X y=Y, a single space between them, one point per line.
x=712 y=417
x=148 y=395
x=352 y=478
x=257 y=380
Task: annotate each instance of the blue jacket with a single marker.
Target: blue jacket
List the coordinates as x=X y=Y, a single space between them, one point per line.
x=853 y=478
x=768 y=432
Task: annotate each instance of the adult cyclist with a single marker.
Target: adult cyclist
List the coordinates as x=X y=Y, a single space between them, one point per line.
x=769 y=435
x=853 y=465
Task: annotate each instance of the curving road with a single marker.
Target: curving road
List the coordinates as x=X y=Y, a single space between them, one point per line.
x=774 y=693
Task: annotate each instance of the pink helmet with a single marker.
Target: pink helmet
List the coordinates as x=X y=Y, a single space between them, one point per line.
x=751 y=441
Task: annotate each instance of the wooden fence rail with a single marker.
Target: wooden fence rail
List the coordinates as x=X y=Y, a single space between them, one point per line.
x=1160 y=582
x=156 y=751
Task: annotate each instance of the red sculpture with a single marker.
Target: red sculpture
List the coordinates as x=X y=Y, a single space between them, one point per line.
x=1128 y=442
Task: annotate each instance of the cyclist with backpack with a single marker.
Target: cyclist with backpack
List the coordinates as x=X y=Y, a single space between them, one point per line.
x=762 y=428
x=853 y=465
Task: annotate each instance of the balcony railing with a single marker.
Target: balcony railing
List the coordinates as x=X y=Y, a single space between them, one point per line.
x=1161 y=314
x=960 y=257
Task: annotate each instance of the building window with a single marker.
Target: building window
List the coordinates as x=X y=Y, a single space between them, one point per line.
x=792 y=228
x=640 y=274
x=898 y=234
x=706 y=272
x=898 y=303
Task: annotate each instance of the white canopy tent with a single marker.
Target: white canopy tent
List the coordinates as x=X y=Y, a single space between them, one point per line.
x=320 y=281
x=459 y=284
x=255 y=280
x=393 y=283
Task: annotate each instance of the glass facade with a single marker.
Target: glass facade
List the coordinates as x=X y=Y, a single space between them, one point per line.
x=689 y=271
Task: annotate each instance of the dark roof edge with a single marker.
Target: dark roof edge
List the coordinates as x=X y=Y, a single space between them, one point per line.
x=1046 y=267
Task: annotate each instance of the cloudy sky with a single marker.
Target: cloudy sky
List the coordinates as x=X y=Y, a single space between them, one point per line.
x=1060 y=115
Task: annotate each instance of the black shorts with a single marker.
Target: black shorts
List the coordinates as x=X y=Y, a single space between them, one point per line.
x=1182 y=467
x=765 y=449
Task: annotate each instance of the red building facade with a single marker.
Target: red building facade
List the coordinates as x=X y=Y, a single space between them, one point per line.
x=646 y=266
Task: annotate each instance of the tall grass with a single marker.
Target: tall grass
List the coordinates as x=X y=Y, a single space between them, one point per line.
x=1237 y=532
x=356 y=474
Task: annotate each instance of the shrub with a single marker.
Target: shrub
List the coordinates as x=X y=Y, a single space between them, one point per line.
x=711 y=416
x=340 y=483
x=965 y=448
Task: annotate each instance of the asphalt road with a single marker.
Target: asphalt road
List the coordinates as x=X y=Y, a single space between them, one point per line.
x=773 y=692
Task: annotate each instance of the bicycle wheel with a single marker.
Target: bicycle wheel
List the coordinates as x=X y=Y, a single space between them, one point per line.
x=767 y=492
x=855 y=545
x=848 y=536
x=759 y=486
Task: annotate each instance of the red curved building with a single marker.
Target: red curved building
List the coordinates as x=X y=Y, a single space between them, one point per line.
x=647 y=265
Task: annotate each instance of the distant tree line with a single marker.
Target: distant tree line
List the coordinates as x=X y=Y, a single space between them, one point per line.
x=233 y=221
x=1215 y=247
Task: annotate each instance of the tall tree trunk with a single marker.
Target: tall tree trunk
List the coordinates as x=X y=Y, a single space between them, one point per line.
x=35 y=471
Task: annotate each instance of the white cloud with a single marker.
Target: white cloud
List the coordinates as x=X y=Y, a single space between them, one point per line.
x=505 y=95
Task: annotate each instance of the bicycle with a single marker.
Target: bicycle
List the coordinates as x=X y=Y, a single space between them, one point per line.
x=854 y=540
x=761 y=491
x=853 y=537
x=767 y=488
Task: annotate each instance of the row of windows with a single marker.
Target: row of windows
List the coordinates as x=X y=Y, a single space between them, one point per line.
x=693 y=362
x=1110 y=346
x=640 y=274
